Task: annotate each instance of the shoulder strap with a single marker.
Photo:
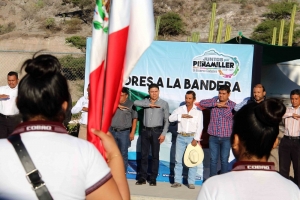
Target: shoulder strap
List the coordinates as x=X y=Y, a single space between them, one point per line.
x=32 y=174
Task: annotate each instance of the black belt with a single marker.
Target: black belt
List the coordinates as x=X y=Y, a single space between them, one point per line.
x=292 y=138
x=119 y=129
x=151 y=128
x=7 y=116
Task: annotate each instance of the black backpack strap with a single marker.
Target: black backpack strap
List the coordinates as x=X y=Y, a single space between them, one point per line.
x=32 y=174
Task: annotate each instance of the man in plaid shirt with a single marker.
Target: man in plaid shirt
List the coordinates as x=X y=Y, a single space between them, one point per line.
x=219 y=128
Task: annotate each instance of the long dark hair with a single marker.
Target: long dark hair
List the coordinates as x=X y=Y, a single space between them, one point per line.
x=42 y=91
x=257 y=126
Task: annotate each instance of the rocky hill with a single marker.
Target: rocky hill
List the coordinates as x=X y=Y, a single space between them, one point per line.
x=40 y=24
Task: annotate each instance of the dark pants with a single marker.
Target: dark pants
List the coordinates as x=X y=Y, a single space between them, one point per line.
x=150 y=138
x=8 y=124
x=289 y=151
x=123 y=141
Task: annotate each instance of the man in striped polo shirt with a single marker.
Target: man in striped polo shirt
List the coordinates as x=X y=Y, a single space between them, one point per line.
x=289 y=147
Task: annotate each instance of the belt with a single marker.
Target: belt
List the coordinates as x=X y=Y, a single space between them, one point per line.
x=7 y=116
x=292 y=138
x=151 y=128
x=184 y=134
x=119 y=129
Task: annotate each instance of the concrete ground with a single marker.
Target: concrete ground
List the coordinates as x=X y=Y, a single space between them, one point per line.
x=163 y=191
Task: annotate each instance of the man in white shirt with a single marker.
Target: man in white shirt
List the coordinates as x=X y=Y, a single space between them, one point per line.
x=9 y=117
x=82 y=106
x=190 y=125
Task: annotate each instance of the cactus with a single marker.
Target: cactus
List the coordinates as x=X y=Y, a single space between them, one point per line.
x=280 y=38
x=212 y=23
x=291 y=32
x=227 y=33
x=274 y=35
x=219 y=36
x=194 y=38
x=157 y=27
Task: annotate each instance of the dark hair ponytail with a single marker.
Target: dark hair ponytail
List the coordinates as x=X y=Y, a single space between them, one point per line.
x=43 y=89
x=257 y=126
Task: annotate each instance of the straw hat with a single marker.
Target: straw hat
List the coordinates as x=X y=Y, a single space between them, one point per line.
x=193 y=156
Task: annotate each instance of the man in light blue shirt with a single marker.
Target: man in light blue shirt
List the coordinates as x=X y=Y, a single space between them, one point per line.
x=259 y=95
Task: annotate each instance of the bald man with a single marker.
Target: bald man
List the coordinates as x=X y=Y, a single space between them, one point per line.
x=259 y=95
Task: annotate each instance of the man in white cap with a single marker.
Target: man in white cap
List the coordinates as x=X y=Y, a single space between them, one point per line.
x=190 y=125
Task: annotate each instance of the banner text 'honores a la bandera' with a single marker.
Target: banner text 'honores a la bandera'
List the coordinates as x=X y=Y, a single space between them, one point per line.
x=179 y=83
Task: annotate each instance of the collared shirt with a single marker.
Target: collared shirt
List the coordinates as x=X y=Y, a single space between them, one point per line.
x=154 y=117
x=8 y=106
x=237 y=107
x=188 y=125
x=247 y=100
x=82 y=102
x=221 y=121
x=292 y=126
x=122 y=119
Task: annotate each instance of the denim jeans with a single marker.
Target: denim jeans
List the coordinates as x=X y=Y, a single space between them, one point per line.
x=122 y=140
x=216 y=145
x=181 y=144
x=149 y=137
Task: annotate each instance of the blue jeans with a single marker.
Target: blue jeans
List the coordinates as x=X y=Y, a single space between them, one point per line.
x=181 y=144
x=122 y=140
x=216 y=145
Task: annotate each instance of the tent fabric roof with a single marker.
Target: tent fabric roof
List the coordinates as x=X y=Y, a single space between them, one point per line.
x=272 y=54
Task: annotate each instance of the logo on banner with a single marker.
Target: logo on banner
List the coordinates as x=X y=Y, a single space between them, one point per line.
x=213 y=62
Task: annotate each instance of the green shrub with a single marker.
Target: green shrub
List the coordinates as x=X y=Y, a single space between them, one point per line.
x=73 y=26
x=170 y=24
x=7 y=28
x=73 y=67
x=50 y=23
x=77 y=41
x=39 y=4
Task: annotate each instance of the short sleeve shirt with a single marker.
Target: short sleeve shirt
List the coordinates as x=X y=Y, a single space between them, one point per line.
x=123 y=118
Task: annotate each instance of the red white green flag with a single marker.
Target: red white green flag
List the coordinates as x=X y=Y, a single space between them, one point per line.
x=114 y=54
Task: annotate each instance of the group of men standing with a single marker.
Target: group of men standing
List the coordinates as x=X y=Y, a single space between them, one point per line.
x=190 y=124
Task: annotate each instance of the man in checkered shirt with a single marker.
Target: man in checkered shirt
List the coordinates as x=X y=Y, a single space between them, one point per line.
x=219 y=128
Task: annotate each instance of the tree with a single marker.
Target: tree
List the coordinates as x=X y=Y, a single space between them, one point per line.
x=264 y=31
x=170 y=24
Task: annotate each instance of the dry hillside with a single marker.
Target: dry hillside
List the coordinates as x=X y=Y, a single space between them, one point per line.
x=27 y=20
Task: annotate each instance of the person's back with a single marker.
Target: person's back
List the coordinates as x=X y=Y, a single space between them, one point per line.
x=52 y=164
x=69 y=166
x=249 y=185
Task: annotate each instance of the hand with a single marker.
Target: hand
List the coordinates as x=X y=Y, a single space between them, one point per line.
x=221 y=105
x=154 y=106
x=161 y=138
x=122 y=107
x=131 y=136
x=295 y=116
x=109 y=143
x=85 y=109
x=199 y=143
x=4 y=96
x=186 y=116
x=194 y=142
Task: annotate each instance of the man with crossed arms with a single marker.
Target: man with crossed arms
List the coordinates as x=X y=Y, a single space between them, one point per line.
x=190 y=125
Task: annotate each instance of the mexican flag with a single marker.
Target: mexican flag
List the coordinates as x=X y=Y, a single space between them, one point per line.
x=119 y=39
